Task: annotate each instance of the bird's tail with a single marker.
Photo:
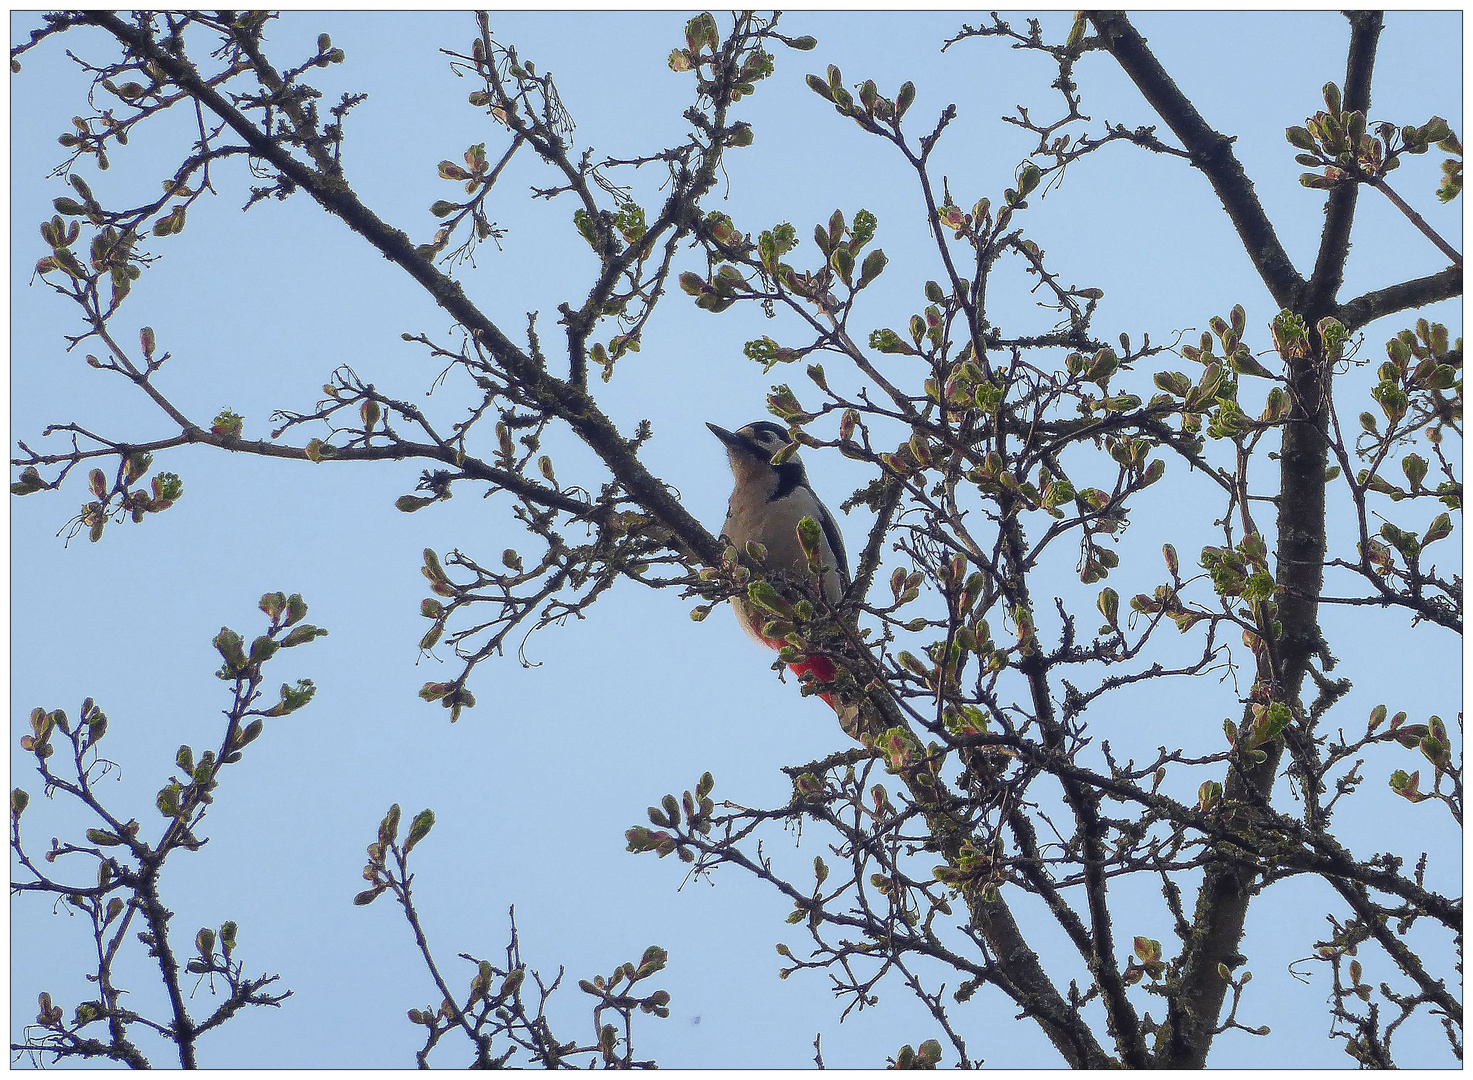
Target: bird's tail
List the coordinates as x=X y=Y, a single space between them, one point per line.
x=823 y=670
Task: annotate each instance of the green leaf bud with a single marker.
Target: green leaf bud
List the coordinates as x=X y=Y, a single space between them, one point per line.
x=874 y=265
x=1442 y=526
x=903 y=99
x=301 y=635
x=419 y=828
x=1300 y=138
x=263 y=649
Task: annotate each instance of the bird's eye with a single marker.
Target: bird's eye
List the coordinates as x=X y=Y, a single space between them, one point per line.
x=767 y=438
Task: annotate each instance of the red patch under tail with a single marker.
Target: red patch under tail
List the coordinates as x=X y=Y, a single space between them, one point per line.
x=823 y=670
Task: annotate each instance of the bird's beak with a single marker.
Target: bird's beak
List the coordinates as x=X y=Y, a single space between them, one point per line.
x=730 y=438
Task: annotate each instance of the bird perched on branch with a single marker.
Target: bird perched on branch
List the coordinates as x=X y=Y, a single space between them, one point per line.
x=767 y=504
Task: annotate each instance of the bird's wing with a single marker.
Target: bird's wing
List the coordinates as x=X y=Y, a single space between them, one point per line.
x=836 y=542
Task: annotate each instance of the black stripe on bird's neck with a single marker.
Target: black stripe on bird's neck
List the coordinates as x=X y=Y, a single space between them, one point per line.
x=789 y=478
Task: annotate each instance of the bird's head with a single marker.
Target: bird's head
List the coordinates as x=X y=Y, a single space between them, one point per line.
x=750 y=450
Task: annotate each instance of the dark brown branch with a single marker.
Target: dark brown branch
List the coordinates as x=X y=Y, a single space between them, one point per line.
x=569 y=402
x=1222 y=905
x=1368 y=307
x=1329 y=266
x=1438 y=611
x=1318 y=855
x=399 y=450
x=1417 y=219
x=1410 y=964
x=1124 y=1022
x=1211 y=152
x=869 y=559
x=55 y=24
x=182 y=1031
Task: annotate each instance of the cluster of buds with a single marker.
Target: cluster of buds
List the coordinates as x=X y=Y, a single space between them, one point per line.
x=1241 y=571
x=927 y=1057
x=205 y=961
x=873 y=106
x=693 y=808
x=1146 y=961
x=1335 y=142
x=973 y=870
x=376 y=870
x=110 y=252
x=614 y=992
x=164 y=490
x=1419 y=361
x=1165 y=600
x=703 y=55
x=720 y=292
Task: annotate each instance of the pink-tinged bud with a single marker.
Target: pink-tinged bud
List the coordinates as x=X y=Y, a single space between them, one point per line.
x=1441 y=527
x=904 y=98
x=434 y=691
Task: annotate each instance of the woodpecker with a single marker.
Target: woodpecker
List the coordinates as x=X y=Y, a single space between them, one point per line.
x=767 y=502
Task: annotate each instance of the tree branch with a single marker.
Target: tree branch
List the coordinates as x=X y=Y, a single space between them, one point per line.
x=1368 y=307
x=569 y=402
x=1417 y=219
x=1211 y=153
x=1329 y=266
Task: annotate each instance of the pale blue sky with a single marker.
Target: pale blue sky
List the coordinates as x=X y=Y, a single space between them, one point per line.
x=535 y=786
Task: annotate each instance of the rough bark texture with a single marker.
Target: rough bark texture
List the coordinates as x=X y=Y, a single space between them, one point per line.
x=1222 y=903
